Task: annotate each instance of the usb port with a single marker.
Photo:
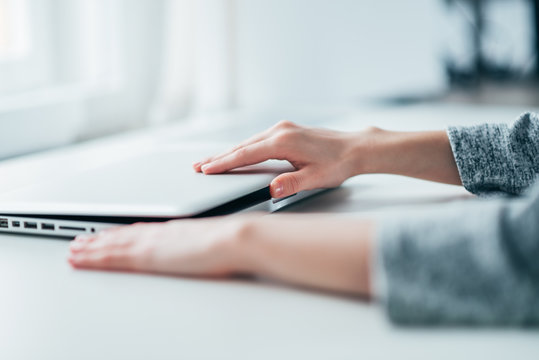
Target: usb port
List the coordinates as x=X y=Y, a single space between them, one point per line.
x=4 y=223
x=16 y=223
x=30 y=225
x=46 y=226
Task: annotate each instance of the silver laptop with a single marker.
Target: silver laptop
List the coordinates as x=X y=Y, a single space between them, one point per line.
x=153 y=186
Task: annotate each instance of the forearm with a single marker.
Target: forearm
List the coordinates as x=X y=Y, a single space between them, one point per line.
x=425 y=155
x=320 y=252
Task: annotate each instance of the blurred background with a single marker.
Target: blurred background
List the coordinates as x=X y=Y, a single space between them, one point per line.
x=72 y=70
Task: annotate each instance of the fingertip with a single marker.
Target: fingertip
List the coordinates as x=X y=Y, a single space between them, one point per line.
x=84 y=238
x=79 y=243
x=73 y=246
x=207 y=168
x=82 y=260
x=276 y=189
x=76 y=247
x=73 y=260
x=200 y=164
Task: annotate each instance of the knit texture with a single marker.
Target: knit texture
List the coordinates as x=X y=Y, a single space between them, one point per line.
x=476 y=261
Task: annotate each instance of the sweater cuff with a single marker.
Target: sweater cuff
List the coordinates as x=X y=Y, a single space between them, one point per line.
x=482 y=165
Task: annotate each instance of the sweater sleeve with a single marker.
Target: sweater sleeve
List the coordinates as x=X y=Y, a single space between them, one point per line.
x=468 y=263
x=497 y=158
x=473 y=262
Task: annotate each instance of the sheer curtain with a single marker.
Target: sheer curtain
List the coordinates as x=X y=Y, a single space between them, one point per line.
x=198 y=72
x=72 y=69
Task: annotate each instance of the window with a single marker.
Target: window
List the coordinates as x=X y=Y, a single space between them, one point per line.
x=14 y=34
x=71 y=70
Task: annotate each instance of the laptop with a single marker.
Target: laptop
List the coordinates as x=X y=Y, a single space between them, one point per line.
x=151 y=186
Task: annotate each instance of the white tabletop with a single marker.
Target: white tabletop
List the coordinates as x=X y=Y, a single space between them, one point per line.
x=50 y=311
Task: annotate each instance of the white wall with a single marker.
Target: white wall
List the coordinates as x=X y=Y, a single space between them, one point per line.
x=336 y=52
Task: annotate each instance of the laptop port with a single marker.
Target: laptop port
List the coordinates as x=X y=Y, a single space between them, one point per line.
x=16 y=224
x=72 y=228
x=46 y=226
x=4 y=223
x=30 y=225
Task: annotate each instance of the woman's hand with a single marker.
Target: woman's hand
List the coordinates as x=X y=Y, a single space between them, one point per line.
x=320 y=252
x=187 y=247
x=325 y=158
x=322 y=158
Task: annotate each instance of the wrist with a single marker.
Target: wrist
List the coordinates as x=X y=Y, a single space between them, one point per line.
x=241 y=245
x=335 y=254
x=366 y=150
x=425 y=155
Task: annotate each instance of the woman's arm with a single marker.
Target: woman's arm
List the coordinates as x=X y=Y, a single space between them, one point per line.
x=485 y=159
x=323 y=252
x=426 y=155
x=473 y=262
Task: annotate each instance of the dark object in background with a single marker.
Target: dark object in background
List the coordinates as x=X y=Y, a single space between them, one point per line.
x=482 y=68
x=535 y=5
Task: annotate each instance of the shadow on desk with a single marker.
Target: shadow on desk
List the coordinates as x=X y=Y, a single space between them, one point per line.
x=364 y=198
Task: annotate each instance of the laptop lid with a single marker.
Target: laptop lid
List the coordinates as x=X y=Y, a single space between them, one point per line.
x=156 y=184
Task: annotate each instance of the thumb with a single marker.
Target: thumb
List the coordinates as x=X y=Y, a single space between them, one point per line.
x=289 y=183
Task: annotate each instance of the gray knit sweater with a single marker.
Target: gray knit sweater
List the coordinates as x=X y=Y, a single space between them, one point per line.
x=477 y=261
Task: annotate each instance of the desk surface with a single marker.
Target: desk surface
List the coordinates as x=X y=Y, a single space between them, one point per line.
x=50 y=311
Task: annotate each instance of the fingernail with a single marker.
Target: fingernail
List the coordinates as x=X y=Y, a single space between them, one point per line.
x=83 y=238
x=76 y=246
x=204 y=168
x=279 y=190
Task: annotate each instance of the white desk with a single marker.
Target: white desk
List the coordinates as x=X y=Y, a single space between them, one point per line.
x=50 y=311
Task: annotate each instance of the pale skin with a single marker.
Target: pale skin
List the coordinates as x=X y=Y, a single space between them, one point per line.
x=314 y=251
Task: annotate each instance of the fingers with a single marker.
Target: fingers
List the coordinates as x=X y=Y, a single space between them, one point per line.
x=281 y=126
x=252 y=140
x=249 y=155
x=108 y=250
x=108 y=259
x=291 y=183
x=89 y=243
